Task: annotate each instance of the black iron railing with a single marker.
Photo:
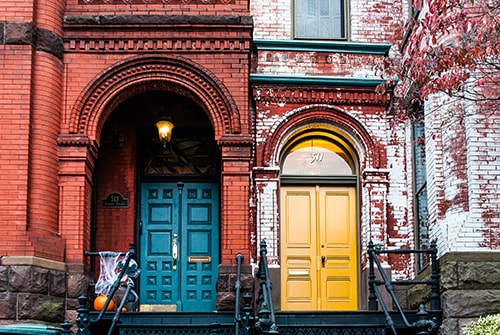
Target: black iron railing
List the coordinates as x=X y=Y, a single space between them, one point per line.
x=237 y=286
x=129 y=297
x=266 y=319
x=424 y=325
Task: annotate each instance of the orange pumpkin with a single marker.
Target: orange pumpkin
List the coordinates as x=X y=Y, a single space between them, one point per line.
x=99 y=302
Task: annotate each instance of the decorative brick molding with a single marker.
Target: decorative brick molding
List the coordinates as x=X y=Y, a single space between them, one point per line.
x=127 y=45
x=321 y=113
x=155 y=2
x=313 y=95
x=140 y=74
x=157 y=33
x=164 y=33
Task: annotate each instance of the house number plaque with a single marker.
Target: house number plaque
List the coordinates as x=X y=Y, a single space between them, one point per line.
x=114 y=200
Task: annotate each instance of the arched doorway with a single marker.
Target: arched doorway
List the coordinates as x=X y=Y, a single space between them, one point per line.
x=172 y=191
x=81 y=144
x=319 y=229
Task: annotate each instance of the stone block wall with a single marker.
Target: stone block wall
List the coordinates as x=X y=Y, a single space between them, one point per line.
x=470 y=288
x=226 y=292
x=37 y=290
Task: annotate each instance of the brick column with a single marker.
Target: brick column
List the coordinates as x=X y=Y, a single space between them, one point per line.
x=266 y=213
x=77 y=159
x=235 y=218
x=374 y=187
x=235 y=198
x=374 y=204
x=15 y=78
x=45 y=125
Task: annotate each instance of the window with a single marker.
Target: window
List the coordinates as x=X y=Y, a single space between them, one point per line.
x=420 y=179
x=320 y=19
x=316 y=156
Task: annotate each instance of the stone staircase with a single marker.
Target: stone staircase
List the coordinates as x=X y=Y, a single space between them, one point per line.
x=261 y=319
x=288 y=323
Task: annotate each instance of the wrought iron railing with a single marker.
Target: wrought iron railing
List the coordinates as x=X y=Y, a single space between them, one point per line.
x=424 y=325
x=237 y=286
x=260 y=318
x=264 y=320
x=130 y=296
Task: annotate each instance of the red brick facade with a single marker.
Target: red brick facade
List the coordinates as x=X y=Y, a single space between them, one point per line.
x=70 y=66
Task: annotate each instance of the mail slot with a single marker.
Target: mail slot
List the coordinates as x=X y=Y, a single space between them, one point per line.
x=199 y=259
x=293 y=272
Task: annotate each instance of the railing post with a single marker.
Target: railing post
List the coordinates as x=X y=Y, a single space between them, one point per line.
x=247 y=318
x=237 y=287
x=372 y=298
x=435 y=300
x=66 y=326
x=83 y=319
x=424 y=325
x=266 y=318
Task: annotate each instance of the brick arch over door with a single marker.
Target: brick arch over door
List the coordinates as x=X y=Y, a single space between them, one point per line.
x=294 y=119
x=143 y=73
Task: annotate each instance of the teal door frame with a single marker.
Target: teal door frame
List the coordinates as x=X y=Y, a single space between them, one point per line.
x=178 y=246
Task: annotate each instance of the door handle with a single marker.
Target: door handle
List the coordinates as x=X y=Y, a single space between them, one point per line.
x=323 y=260
x=174 y=251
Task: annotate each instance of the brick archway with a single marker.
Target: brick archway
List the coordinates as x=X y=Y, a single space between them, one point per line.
x=361 y=139
x=143 y=73
x=79 y=147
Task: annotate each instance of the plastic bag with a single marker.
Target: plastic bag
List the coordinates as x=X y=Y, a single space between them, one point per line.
x=111 y=263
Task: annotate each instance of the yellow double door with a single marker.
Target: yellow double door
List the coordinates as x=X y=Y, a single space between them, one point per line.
x=319 y=267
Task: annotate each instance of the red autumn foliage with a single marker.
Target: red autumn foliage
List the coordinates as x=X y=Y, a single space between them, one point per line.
x=452 y=47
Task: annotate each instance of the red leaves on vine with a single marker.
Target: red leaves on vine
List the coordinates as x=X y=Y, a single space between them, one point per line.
x=451 y=42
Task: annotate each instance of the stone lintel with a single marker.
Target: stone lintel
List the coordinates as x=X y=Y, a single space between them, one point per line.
x=32 y=260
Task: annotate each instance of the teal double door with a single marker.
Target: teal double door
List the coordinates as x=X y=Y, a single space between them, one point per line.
x=179 y=251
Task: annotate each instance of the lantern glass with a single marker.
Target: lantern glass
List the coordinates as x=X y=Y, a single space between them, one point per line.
x=164 y=130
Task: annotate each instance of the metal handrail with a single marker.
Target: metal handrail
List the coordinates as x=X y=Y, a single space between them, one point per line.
x=237 y=286
x=115 y=286
x=265 y=315
x=423 y=325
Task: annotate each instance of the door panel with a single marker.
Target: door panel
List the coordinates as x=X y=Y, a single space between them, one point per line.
x=338 y=239
x=198 y=259
x=157 y=284
x=178 y=247
x=299 y=236
x=318 y=248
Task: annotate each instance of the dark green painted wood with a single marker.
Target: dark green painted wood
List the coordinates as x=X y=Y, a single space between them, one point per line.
x=323 y=81
x=322 y=46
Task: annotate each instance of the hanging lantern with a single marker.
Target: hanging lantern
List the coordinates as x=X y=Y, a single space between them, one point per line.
x=164 y=131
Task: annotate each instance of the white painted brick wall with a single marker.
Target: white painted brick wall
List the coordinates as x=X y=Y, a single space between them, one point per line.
x=369 y=22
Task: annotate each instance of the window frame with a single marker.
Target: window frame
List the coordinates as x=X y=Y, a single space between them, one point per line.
x=345 y=24
x=420 y=196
